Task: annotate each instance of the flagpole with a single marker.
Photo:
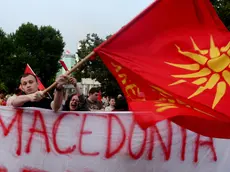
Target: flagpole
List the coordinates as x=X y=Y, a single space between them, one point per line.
x=74 y=68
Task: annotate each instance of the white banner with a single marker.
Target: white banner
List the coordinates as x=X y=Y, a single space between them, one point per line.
x=37 y=140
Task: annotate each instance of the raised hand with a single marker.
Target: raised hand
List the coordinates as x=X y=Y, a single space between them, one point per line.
x=73 y=81
x=62 y=80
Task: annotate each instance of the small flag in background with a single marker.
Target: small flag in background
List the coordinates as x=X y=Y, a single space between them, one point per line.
x=64 y=65
x=99 y=96
x=67 y=52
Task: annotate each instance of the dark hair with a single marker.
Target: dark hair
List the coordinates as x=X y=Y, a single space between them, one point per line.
x=93 y=90
x=66 y=105
x=28 y=74
x=112 y=98
x=17 y=91
x=121 y=105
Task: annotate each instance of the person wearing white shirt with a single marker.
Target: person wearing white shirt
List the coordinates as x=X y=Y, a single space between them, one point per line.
x=111 y=106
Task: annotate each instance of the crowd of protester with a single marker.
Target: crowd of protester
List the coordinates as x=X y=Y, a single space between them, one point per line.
x=29 y=96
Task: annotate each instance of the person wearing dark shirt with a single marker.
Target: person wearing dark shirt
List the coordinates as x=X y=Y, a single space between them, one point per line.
x=43 y=103
x=121 y=104
x=35 y=98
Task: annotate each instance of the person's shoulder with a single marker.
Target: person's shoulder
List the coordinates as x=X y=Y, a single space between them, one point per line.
x=107 y=108
x=100 y=103
x=89 y=102
x=82 y=98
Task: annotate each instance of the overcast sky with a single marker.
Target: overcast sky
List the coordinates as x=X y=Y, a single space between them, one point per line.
x=74 y=18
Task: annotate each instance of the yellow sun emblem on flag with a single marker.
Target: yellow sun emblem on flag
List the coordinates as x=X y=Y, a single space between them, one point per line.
x=211 y=69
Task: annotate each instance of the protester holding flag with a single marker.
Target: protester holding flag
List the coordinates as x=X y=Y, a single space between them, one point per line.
x=35 y=98
x=72 y=103
x=76 y=101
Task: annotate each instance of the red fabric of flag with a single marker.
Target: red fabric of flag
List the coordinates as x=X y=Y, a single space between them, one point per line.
x=172 y=61
x=99 y=98
x=63 y=65
x=29 y=70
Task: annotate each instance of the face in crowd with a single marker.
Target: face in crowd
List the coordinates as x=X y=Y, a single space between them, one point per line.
x=93 y=94
x=29 y=84
x=74 y=101
x=112 y=102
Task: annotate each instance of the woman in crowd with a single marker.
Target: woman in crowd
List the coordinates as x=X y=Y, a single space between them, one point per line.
x=76 y=101
x=111 y=106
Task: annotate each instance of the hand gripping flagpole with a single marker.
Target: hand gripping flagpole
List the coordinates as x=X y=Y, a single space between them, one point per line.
x=74 y=68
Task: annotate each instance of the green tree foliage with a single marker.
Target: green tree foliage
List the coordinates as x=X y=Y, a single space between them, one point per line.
x=44 y=46
x=6 y=48
x=40 y=47
x=223 y=9
x=95 y=69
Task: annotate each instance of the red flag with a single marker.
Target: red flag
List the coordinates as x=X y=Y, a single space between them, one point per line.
x=64 y=65
x=29 y=70
x=172 y=61
x=67 y=52
x=99 y=96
